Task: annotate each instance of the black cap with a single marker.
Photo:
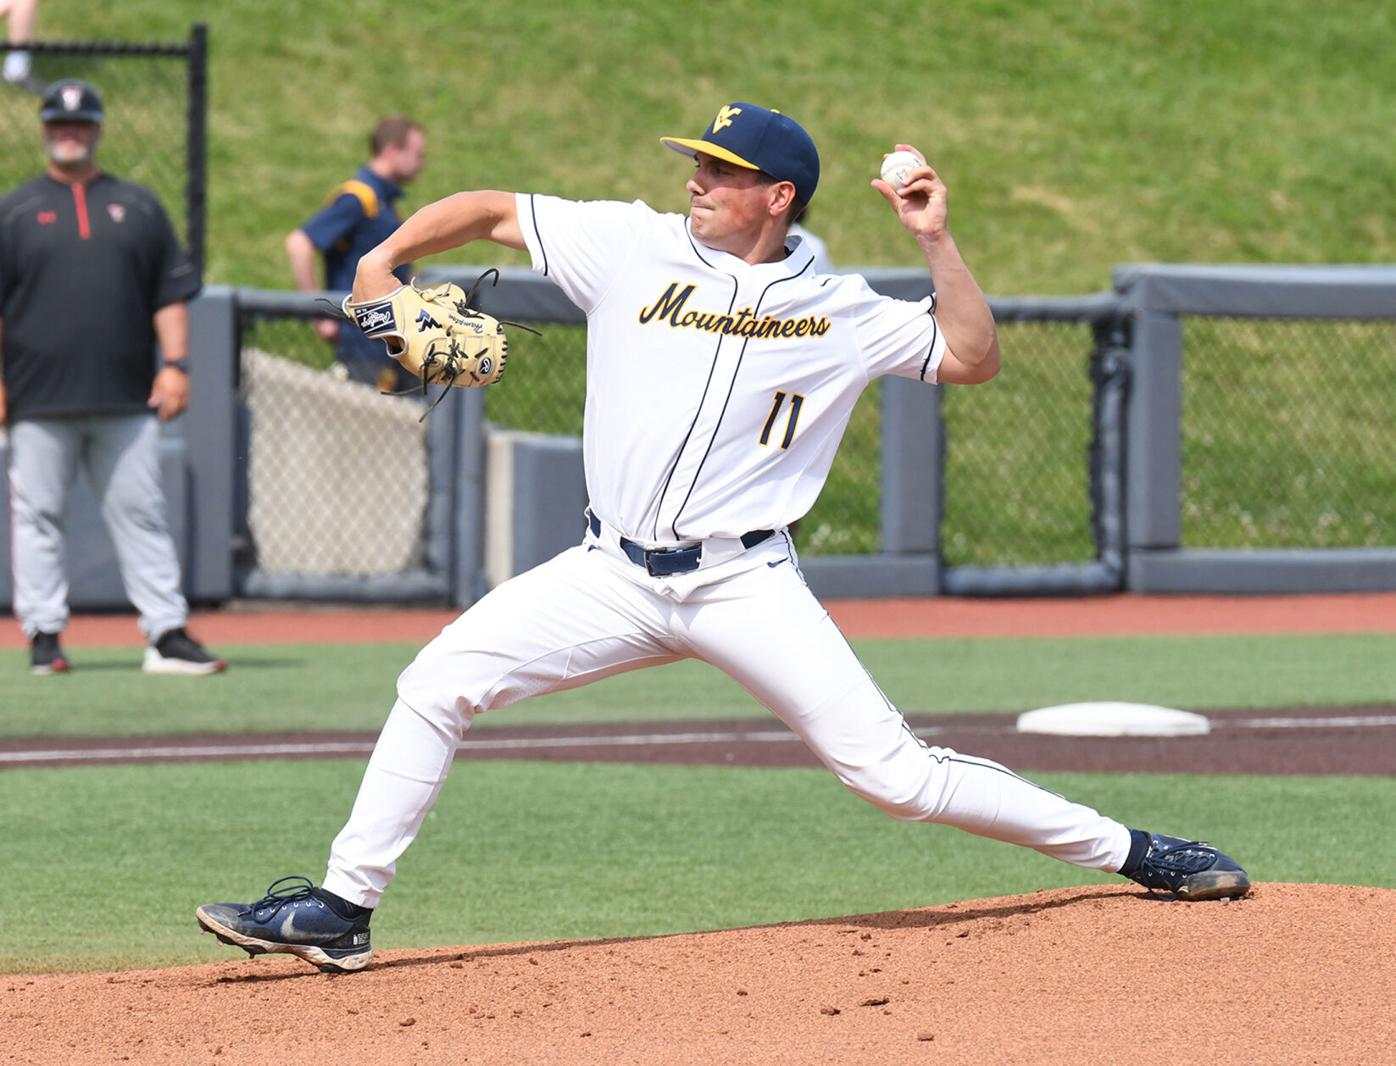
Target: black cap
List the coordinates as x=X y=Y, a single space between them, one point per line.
x=71 y=100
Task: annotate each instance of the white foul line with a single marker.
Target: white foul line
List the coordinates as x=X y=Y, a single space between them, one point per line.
x=1370 y=721
x=363 y=747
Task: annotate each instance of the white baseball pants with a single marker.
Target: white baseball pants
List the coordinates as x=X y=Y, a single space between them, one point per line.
x=121 y=457
x=590 y=613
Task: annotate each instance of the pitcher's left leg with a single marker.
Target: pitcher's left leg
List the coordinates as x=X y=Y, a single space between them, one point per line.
x=765 y=629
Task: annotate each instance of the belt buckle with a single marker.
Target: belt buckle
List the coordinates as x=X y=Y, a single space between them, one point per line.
x=694 y=551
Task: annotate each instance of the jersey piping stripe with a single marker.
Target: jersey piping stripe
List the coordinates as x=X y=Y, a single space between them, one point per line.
x=533 y=216
x=958 y=757
x=712 y=368
x=696 y=251
x=987 y=764
x=80 y=203
x=935 y=335
x=731 y=386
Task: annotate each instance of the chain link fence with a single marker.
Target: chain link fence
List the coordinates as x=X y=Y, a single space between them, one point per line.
x=155 y=102
x=1284 y=441
x=544 y=390
x=1288 y=436
x=337 y=477
x=1018 y=453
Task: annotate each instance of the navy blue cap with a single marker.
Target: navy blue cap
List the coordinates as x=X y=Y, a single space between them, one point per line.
x=71 y=100
x=759 y=139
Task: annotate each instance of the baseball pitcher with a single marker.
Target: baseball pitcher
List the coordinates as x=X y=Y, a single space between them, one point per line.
x=721 y=373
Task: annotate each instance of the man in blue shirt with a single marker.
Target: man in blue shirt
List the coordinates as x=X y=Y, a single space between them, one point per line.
x=358 y=216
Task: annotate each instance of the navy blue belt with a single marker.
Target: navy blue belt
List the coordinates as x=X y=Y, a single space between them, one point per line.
x=665 y=562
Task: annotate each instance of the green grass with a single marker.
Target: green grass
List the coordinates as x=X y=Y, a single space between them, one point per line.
x=300 y=687
x=521 y=851
x=1287 y=451
x=1072 y=136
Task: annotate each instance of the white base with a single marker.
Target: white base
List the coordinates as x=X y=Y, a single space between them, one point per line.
x=1113 y=720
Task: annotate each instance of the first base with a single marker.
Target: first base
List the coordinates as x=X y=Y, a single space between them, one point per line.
x=1113 y=720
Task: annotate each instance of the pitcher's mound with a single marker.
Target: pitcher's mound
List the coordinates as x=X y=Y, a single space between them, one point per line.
x=1097 y=974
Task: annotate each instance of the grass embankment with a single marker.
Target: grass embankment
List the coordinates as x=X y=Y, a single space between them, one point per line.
x=1072 y=136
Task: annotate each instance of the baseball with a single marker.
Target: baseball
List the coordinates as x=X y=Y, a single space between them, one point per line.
x=898 y=165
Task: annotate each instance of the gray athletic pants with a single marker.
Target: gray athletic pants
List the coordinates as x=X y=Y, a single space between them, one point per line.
x=121 y=457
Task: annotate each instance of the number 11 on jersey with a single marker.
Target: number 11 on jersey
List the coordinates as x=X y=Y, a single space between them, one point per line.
x=796 y=402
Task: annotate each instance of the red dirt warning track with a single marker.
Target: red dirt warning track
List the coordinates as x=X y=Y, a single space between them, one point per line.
x=937 y=617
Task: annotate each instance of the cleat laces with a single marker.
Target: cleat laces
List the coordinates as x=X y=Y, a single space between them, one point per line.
x=281 y=893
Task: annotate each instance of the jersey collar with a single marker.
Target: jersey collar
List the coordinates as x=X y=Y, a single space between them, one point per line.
x=799 y=258
x=385 y=189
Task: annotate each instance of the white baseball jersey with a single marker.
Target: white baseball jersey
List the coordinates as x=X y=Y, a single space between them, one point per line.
x=717 y=391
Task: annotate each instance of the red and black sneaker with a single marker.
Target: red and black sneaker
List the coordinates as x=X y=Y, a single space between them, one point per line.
x=45 y=656
x=176 y=652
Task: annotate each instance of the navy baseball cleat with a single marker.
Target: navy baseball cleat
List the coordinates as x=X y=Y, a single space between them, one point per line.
x=298 y=918
x=1188 y=869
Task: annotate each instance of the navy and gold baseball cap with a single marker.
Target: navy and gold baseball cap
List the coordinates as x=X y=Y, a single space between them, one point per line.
x=71 y=100
x=759 y=139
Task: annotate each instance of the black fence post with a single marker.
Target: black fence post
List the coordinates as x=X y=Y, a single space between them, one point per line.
x=196 y=199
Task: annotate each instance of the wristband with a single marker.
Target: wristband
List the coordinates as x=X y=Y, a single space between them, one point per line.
x=182 y=365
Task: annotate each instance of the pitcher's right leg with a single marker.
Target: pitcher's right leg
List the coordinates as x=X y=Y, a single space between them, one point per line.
x=779 y=642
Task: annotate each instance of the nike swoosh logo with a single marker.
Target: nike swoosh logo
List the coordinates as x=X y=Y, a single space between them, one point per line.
x=777 y=563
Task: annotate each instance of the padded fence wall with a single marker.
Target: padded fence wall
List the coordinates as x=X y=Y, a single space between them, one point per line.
x=1261 y=437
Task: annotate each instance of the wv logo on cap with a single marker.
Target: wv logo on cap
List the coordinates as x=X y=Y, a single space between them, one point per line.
x=725 y=117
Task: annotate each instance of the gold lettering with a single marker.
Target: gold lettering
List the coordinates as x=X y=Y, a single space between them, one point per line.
x=668 y=306
x=671 y=306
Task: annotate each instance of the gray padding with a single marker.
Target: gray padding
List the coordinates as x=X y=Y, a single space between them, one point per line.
x=413 y=586
x=911 y=466
x=1268 y=571
x=550 y=496
x=209 y=428
x=1260 y=291
x=1066 y=579
x=872 y=575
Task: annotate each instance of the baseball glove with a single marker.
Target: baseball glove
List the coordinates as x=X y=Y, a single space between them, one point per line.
x=436 y=334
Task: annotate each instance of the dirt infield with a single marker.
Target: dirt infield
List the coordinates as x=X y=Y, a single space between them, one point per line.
x=1302 y=741
x=1081 y=975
